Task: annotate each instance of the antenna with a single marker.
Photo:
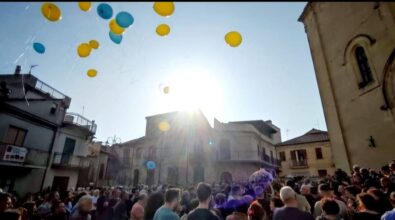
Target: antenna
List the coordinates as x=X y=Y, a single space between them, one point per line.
x=83 y=109
x=31 y=67
x=287 y=133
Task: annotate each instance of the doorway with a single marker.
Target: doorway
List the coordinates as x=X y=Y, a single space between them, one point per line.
x=60 y=183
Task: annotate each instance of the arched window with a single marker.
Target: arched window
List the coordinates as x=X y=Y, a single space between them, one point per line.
x=363 y=65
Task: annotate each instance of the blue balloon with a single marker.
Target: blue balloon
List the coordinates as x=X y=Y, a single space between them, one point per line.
x=104 y=11
x=151 y=165
x=115 y=38
x=124 y=19
x=39 y=47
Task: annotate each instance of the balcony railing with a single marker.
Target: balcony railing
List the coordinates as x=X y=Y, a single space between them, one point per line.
x=297 y=164
x=23 y=156
x=45 y=88
x=243 y=156
x=81 y=121
x=69 y=161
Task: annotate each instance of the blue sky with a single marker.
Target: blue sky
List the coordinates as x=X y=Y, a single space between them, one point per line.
x=269 y=76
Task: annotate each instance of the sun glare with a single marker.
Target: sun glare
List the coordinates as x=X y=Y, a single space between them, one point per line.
x=191 y=91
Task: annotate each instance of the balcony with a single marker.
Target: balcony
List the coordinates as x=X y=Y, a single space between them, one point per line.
x=47 y=89
x=298 y=164
x=23 y=156
x=69 y=161
x=81 y=121
x=243 y=156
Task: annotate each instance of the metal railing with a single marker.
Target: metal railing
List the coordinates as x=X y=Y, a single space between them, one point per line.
x=69 y=160
x=298 y=164
x=80 y=120
x=238 y=156
x=45 y=88
x=20 y=155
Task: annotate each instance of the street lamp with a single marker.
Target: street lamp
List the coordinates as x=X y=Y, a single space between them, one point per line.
x=114 y=140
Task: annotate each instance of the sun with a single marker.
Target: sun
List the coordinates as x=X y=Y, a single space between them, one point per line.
x=192 y=90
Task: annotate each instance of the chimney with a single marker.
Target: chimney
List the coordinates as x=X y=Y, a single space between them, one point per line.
x=17 y=70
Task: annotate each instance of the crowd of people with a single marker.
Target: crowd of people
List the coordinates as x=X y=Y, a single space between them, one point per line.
x=365 y=195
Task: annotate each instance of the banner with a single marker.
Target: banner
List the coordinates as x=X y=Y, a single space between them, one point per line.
x=15 y=154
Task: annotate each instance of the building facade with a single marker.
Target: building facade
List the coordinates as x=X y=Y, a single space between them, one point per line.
x=354 y=66
x=243 y=147
x=306 y=155
x=33 y=132
x=70 y=152
x=181 y=148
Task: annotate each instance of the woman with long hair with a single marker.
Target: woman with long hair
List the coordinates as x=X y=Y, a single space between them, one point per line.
x=154 y=202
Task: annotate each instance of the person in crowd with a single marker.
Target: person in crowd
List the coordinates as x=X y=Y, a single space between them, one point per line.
x=386 y=186
x=58 y=211
x=154 y=202
x=84 y=206
x=167 y=211
x=103 y=210
x=45 y=208
x=202 y=212
x=240 y=211
x=256 y=211
x=305 y=190
x=390 y=215
x=68 y=201
x=235 y=193
x=220 y=200
x=303 y=204
x=192 y=192
x=120 y=208
x=185 y=203
x=330 y=210
x=392 y=172
x=137 y=212
x=382 y=201
x=356 y=169
x=75 y=201
x=327 y=193
x=275 y=202
x=366 y=208
x=95 y=196
x=5 y=202
x=193 y=205
x=290 y=209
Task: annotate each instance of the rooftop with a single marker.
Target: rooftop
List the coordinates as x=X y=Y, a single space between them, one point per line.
x=261 y=125
x=314 y=135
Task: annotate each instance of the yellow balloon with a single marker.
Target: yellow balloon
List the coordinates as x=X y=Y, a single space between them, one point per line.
x=115 y=28
x=51 y=12
x=233 y=38
x=164 y=8
x=92 y=73
x=94 y=44
x=164 y=126
x=163 y=30
x=84 y=50
x=166 y=90
x=85 y=6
